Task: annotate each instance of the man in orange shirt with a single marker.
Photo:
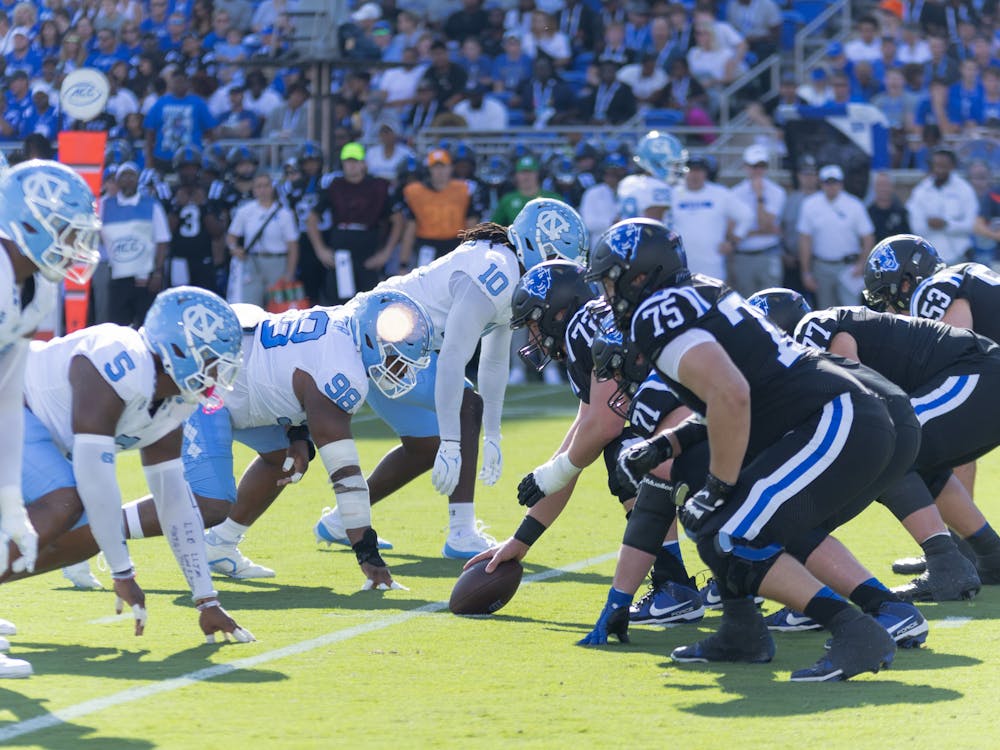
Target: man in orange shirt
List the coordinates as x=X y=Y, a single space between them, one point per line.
x=437 y=210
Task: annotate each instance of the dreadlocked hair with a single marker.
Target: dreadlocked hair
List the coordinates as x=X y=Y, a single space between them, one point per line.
x=489 y=231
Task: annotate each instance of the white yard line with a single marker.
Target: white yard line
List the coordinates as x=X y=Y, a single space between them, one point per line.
x=49 y=720
x=951 y=622
x=111 y=618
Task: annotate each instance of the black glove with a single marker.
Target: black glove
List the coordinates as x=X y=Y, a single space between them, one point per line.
x=702 y=504
x=528 y=491
x=638 y=460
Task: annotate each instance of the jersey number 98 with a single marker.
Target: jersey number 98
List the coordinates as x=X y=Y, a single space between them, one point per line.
x=341 y=393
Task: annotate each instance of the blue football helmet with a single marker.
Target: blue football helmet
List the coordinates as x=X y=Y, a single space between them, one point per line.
x=310 y=150
x=495 y=171
x=198 y=338
x=547 y=228
x=394 y=335
x=662 y=155
x=49 y=212
x=783 y=307
x=187 y=155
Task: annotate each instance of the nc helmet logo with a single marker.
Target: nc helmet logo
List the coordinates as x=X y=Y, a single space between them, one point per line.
x=624 y=240
x=538 y=282
x=884 y=260
x=552 y=225
x=202 y=322
x=46 y=189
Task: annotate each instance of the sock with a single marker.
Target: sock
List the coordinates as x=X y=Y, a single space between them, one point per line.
x=461 y=518
x=985 y=541
x=825 y=605
x=938 y=544
x=229 y=530
x=669 y=565
x=871 y=594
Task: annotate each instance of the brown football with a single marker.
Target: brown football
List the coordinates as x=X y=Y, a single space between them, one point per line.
x=477 y=592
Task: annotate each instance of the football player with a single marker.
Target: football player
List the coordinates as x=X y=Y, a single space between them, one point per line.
x=109 y=388
x=49 y=231
x=302 y=195
x=467 y=294
x=663 y=161
x=194 y=226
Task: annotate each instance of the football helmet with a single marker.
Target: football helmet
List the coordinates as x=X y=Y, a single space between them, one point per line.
x=240 y=154
x=633 y=259
x=394 y=335
x=495 y=171
x=118 y=151
x=546 y=228
x=897 y=259
x=310 y=150
x=187 y=155
x=548 y=295
x=49 y=212
x=198 y=338
x=662 y=155
x=783 y=307
x=615 y=359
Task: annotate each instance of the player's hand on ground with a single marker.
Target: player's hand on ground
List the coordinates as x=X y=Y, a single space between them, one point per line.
x=296 y=462
x=212 y=619
x=613 y=621
x=492 y=468
x=379 y=578
x=15 y=526
x=512 y=549
x=447 y=466
x=127 y=591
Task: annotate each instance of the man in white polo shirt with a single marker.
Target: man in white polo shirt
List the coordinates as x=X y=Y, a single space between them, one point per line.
x=943 y=208
x=835 y=236
x=756 y=262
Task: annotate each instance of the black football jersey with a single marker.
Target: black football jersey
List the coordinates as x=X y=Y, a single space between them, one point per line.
x=910 y=352
x=979 y=285
x=225 y=196
x=788 y=382
x=651 y=403
x=581 y=331
x=191 y=240
x=303 y=195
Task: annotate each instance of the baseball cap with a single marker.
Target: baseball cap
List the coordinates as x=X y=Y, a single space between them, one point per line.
x=381 y=28
x=367 y=12
x=352 y=150
x=834 y=48
x=755 y=154
x=126 y=166
x=438 y=156
x=22 y=30
x=831 y=172
x=806 y=164
x=526 y=164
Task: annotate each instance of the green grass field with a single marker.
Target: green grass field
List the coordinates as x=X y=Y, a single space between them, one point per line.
x=337 y=667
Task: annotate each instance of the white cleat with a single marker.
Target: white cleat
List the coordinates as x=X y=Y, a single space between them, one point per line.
x=7 y=627
x=81 y=577
x=463 y=545
x=330 y=530
x=4 y=644
x=14 y=668
x=226 y=559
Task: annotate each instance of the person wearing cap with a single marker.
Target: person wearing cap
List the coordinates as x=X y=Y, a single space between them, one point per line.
x=756 y=260
x=511 y=68
x=805 y=183
x=482 y=113
x=237 y=122
x=599 y=204
x=710 y=219
x=835 y=237
x=18 y=95
x=383 y=159
x=527 y=185
x=358 y=206
x=135 y=237
x=178 y=119
x=42 y=118
x=611 y=101
x=943 y=208
x=437 y=209
x=290 y=121
x=448 y=78
x=22 y=56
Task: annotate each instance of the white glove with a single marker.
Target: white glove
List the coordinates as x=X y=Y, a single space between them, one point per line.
x=447 y=466
x=492 y=461
x=15 y=526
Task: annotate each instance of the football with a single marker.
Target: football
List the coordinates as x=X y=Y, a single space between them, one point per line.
x=477 y=592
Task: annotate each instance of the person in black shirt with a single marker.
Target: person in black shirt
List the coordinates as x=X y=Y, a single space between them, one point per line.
x=303 y=195
x=194 y=226
x=470 y=21
x=887 y=212
x=447 y=77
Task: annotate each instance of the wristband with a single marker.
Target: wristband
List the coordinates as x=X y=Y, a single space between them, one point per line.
x=301 y=432
x=366 y=550
x=529 y=531
x=208 y=604
x=124 y=575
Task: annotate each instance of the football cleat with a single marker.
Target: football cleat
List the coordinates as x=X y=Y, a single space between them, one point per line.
x=671 y=602
x=81 y=577
x=226 y=559
x=329 y=529
x=903 y=622
x=7 y=627
x=948 y=577
x=909 y=566
x=710 y=595
x=988 y=567
x=787 y=620
x=742 y=637
x=859 y=645
x=464 y=545
x=14 y=668
x=4 y=644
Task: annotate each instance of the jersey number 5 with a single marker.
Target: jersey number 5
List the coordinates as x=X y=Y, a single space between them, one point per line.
x=116 y=368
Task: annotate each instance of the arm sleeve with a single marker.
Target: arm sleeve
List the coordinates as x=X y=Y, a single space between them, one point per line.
x=97 y=485
x=12 y=362
x=494 y=371
x=471 y=312
x=161 y=229
x=182 y=525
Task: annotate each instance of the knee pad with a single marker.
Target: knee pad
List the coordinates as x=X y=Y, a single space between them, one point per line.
x=806 y=544
x=740 y=568
x=651 y=516
x=623 y=490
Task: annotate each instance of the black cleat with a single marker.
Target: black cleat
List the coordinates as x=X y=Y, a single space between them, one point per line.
x=989 y=569
x=909 y=566
x=859 y=644
x=948 y=577
x=742 y=637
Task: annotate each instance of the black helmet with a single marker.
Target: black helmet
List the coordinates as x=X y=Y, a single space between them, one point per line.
x=187 y=155
x=239 y=154
x=548 y=295
x=310 y=150
x=615 y=359
x=902 y=257
x=783 y=307
x=633 y=259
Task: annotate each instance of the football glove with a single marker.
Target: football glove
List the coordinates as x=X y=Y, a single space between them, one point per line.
x=550 y=477
x=447 y=466
x=702 y=504
x=15 y=526
x=638 y=460
x=489 y=474
x=613 y=621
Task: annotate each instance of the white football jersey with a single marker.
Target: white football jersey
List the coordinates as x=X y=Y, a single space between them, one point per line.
x=124 y=361
x=15 y=322
x=638 y=192
x=317 y=341
x=493 y=268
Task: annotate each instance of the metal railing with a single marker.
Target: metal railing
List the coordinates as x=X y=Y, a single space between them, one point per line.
x=810 y=46
x=769 y=66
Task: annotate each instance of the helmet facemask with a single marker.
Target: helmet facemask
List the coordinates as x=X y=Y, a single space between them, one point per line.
x=398 y=333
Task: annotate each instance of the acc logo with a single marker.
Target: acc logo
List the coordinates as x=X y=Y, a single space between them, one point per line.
x=884 y=260
x=45 y=188
x=202 y=322
x=538 y=282
x=624 y=240
x=128 y=249
x=81 y=94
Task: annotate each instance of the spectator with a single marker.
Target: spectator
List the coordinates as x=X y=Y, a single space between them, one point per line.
x=512 y=68
x=383 y=159
x=581 y=25
x=398 y=86
x=840 y=83
x=888 y=59
x=545 y=98
x=447 y=77
x=178 y=119
x=477 y=66
x=260 y=98
x=436 y=210
x=109 y=17
x=898 y=106
x=835 y=237
x=121 y=101
x=599 y=205
x=155 y=23
x=982 y=52
x=866 y=86
x=887 y=212
x=518 y=20
x=806 y=184
x=636 y=26
x=46 y=44
x=42 y=117
x=913 y=48
x=941 y=65
x=176 y=31
x=836 y=61
x=482 y=113
x=933 y=109
x=685 y=93
x=424 y=109
x=943 y=208
x=613 y=46
x=237 y=122
x=221 y=24
x=269 y=13
x=240 y=12
x=866 y=45
x=108 y=51
x=527 y=185
x=135 y=237
x=963 y=46
x=263 y=241
x=665 y=45
x=290 y=121
x=18 y=97
x=408 y=33
x=726 y=37
x=469 y=21
x=986 y=228
x=10 y=122
x=713 y=64
x=356 y=42
x=131 y=43
x=756 y=263
x=646 y=79
x=611 y=101
x=21 y=56
x=989 y=107
x=545 y=37
x=965 y=96
x=711 y=219
x=382 y=36
x=759 y=22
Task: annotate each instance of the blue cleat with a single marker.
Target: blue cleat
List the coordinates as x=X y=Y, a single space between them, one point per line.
x=787 y=620
x=671 y=602
x=903 y=622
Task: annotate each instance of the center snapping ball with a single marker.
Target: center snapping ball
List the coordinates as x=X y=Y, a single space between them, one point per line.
x=477 y=592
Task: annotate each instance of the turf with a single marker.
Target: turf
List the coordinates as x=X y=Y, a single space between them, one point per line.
x=397 y=670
